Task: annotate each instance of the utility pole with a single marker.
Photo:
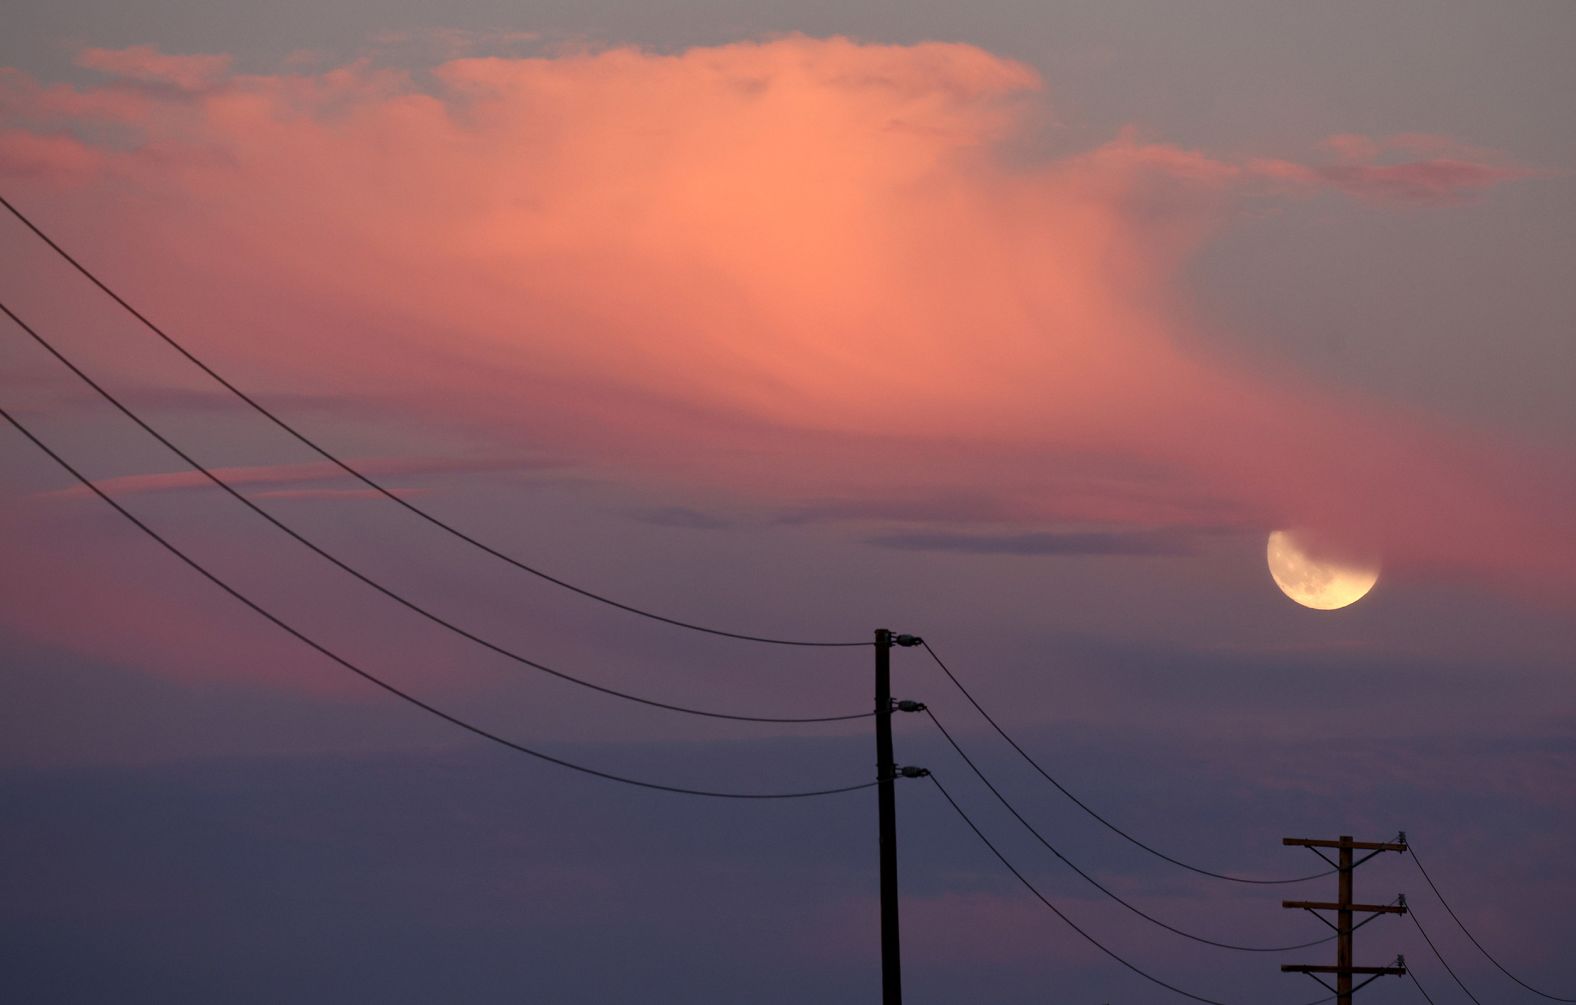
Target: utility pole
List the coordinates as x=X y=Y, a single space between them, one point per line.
x=887 y=772
x=1344 y=908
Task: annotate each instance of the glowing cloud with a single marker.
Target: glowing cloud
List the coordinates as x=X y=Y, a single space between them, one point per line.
x=809 y=269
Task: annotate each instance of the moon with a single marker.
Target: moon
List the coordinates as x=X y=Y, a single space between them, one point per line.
x=1317 y=583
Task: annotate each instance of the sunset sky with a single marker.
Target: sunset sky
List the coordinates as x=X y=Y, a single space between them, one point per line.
x=1017 y=327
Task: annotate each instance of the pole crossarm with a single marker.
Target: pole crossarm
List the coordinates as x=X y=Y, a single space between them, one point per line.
x=1398 y=969
x=1302 y=968
x=1321 y=905
x=1344 y=908
x=1354 y=845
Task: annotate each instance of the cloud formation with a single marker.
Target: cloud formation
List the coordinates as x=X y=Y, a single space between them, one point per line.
x=1042 y=543
x=279 y=475
x=145 y=64
x=1411 y=169
x=803 y=269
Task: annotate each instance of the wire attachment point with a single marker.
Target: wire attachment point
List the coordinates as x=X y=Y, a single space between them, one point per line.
x=908 y=706
x=907 y=771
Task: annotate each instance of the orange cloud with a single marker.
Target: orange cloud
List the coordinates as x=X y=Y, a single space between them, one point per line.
x=806 y=269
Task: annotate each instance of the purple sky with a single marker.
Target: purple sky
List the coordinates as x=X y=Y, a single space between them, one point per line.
x=773 y=318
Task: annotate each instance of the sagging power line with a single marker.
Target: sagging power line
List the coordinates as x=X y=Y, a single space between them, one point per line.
x=383 y=684
x=1046 y=901
x=1412 y=973
x=369 y=581
x=1095 y=882
x=1412 y=851
x=887 y=769
x=1440 y=957
x=1002 y=732
x=383 y=490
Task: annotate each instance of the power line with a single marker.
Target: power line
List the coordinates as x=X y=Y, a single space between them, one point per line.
x=1090 y=810
x=1441 y=959
x=1056 y=911
x=374 y=584
x=1413 y=974
x=379 y=682
x=1090 y=879
x=1454 y=917
x=380 y=488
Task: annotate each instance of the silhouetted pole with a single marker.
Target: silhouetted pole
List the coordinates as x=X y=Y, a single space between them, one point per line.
x=1343 y=908
x=886 y=773
x=1343 y=924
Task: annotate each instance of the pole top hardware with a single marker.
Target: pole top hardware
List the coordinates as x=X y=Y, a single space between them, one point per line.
x=909 y=706
x=911 y=772
x=907 y=641
x=1324 y=905
x=1347 y=842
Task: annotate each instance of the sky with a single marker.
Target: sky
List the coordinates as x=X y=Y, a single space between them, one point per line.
x=1017 y=327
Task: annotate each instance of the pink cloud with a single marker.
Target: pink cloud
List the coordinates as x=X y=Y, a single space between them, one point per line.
x=147 y=65
x=1432 y=181
x=282 y=474
x=798 y=269
x=26 y=100
x=1352 y=147
x=334 y=494
x=1451 y=172
x=75 y=585
x=1438 y=170
x=54 y=159
x=79 y=579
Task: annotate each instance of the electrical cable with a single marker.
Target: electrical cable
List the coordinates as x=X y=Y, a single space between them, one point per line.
x=1065 y=919
x=1419 y=986
x=1096 y=883
x=1090 y=810
x=374 y=584
x=1413 y=915
x=385 y=685
x=379 y=487
x=1054 y=910
x=1453 y=916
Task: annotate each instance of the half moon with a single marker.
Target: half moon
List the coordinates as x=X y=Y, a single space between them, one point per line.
x=1320 y=584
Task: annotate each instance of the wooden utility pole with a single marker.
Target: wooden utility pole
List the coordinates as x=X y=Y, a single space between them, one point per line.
x=887 y=772
x=1343 y=907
